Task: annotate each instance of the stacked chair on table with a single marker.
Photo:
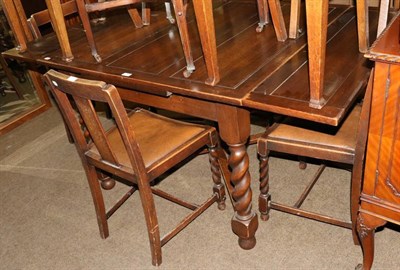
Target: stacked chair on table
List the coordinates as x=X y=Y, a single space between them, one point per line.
x=136 y=151
x=180 y=7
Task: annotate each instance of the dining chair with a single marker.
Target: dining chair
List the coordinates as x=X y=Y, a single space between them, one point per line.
x=69 y=8
x=180 y=7
x=40 y=18
x=139 y=148
x=344 y=144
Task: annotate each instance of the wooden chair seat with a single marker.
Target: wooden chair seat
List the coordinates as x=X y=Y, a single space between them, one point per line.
x=151 y=131
x=138 y=149
x=317 y=141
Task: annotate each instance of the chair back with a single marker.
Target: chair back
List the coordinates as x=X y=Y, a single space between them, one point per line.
x=83 y=93
x=43 y=17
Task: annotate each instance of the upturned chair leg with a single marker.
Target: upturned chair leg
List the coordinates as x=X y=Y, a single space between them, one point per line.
x=263 y=14
x=145 y=14
x=88 y=30
x=180 y=7
x=277 y=19
x=168 y=12
x=98 y=200
x=294 y=28
x=218 y=188
x=135 y=17
x=264 y=199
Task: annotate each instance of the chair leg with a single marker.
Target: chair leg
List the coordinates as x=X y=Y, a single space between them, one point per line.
x=180 y=7
x=218 y=188
x=355 y=192
x=302 y=163
x=362 y=25
x=146 y=12
x=98 y=200
x=383 y=16
x=263 y=14
x=88 y=29
x=135 y=17
x=264 y=199
x=277 y=19
x=168 y=12
x=146 y=197
x=294 y=27
x=366 y=225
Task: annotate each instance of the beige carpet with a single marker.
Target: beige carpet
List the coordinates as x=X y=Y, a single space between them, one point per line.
x=47 y=219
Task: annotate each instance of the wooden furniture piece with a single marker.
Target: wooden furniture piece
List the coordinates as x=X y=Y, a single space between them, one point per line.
x=363 y=25
x=180 y=7
x=380 y=193
x=141 y=147
x=7 y=75
x=37 y=85
x=38 y=19
x=344 y=144
x=257 y=72
x=274 y=7
x=317 y=26
x=69 y=9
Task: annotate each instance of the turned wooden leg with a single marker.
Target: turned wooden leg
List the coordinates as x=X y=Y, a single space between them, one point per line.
x=214 y=156
x=234 y=129
x=366 y=225
x=244 y=222
x=264 y=199
x=218 y=188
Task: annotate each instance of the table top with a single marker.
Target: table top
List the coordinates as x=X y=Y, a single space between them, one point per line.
x=387 y=46
x=257 y=71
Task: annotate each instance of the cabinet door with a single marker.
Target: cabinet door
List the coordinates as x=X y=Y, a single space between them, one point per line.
x=382 y=172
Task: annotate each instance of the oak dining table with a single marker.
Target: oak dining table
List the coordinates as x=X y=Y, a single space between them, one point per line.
x=249 y=71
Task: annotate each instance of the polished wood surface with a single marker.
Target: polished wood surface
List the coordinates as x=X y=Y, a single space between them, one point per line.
x=268 y=75
x=256 y=72
x=380 y=197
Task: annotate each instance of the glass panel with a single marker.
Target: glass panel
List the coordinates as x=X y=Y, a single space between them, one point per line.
x=18 y=95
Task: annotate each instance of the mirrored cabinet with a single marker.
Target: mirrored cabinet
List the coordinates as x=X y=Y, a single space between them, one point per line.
x=22 y=94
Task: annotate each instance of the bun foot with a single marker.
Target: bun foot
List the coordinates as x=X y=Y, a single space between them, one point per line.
x=247 y=243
